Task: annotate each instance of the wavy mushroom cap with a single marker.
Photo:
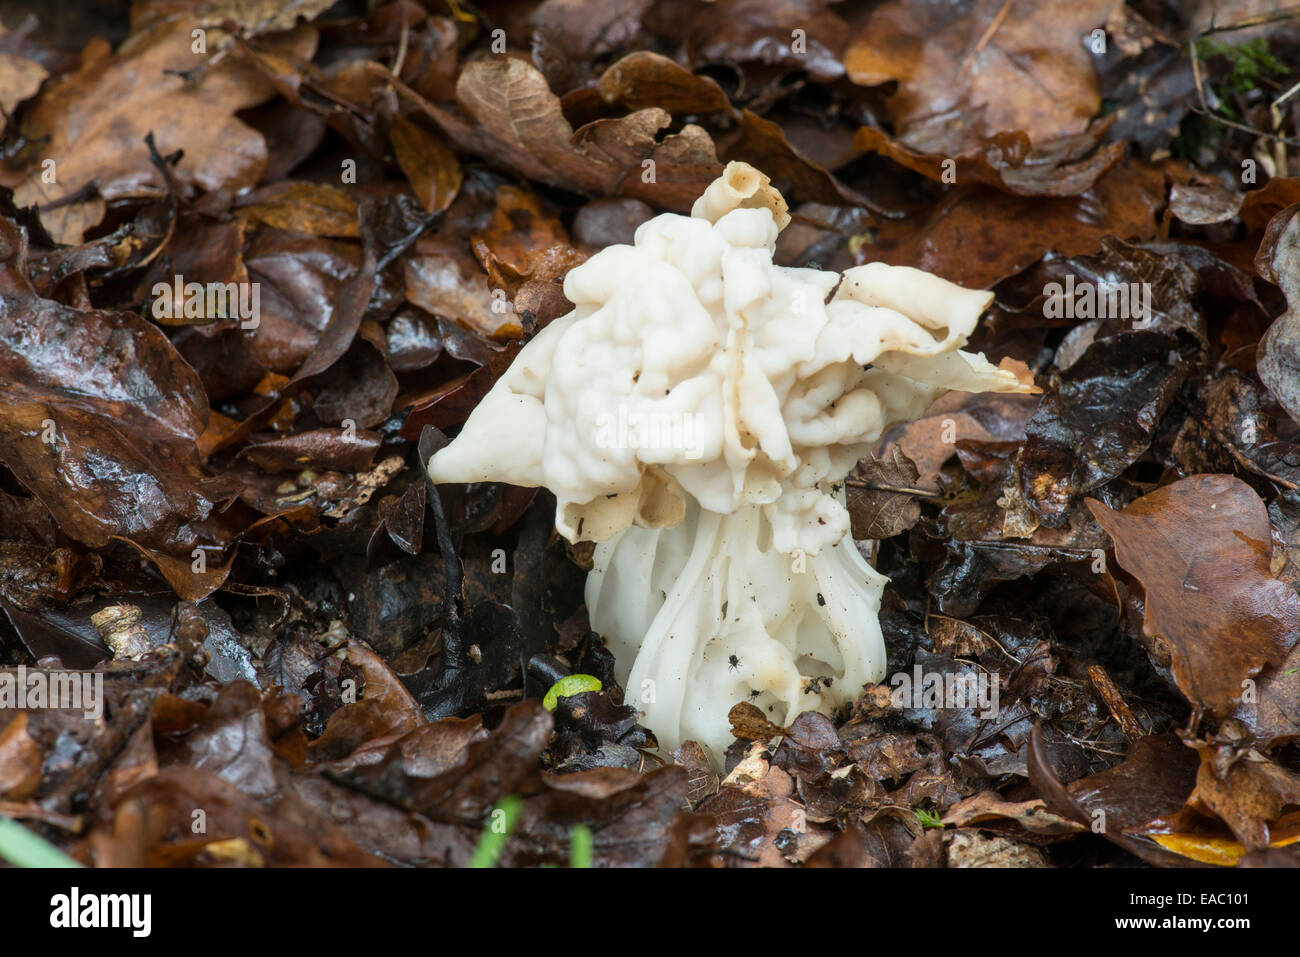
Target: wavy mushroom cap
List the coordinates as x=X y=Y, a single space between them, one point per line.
x=692 y=365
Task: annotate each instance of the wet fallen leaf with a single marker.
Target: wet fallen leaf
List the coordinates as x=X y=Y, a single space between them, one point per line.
x=310 y=208
x=1244 y=789
x=97 y=401
x=93 y=125
x=431 y=168
x=754 y=807
x=1064 y=167
x=1099 y=420
x=976 y=236
x=344 y=450
x=1278 y=261
x=1201 y=548
x=512 y=117
x=1024 y=72
x=1126 y=803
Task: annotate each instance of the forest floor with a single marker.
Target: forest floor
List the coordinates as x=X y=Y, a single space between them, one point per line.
x=309 y=656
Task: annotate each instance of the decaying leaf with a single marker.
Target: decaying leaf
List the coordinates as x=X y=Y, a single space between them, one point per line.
x=93 y=125
x=431 y=167
x=97 y=403
x=1201 y=550
x=342 y=663
x=1126 y=804
x=1102 y=416
x=310 y=208
x=977 y=236
x=882 y=495
x=1064 y=167
x=1027 y=71
x=511 y=116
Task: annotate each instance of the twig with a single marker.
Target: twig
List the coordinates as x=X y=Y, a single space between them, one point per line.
x=988 y=35
x=895 y=489
x=929 y=615
x=401 y=46
x=1115 y=703
x=1258 y=19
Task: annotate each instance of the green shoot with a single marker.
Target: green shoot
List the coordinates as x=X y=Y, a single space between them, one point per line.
x=580 y=847
x=927 y=818
x=23 y=848
x=500 y=823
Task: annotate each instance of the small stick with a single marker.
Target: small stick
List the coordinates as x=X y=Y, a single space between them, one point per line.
x=21 y=811
x=1118 y=707
x=401 y=46
x=988 y=35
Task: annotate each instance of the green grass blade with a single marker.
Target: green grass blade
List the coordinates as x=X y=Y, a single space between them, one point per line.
x=21 y=847
x=580 y=847
x=500 y=823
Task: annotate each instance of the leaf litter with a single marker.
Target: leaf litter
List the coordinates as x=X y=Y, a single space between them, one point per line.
x=345 y=666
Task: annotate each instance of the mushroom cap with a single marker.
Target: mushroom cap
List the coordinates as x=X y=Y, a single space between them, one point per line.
x=693 y=365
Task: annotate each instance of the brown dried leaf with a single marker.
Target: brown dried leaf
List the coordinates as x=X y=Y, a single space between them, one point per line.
x=1202 y=550
x=957 y=417
x=311 y=208
x=93 y=125
x=1245 y=790
x=20 y=760
x=1066 y=166
x=1203 y=204
x=437 y=283
x=755 y=805
x=977 y=236
x=514 y=119
x=988 y=806
x=261 y=16
x=20 y=78
x=644 y=79
x=340 y=450
x=430 y=167
x=1023 y=70
x=461 y=786
x=748 y=723
x=151 y=826
x=362 y=730
x=636 y=820
x=970 y=848
x=882 y=495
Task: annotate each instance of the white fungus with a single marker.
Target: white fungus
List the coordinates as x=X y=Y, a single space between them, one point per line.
x=695 y=415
